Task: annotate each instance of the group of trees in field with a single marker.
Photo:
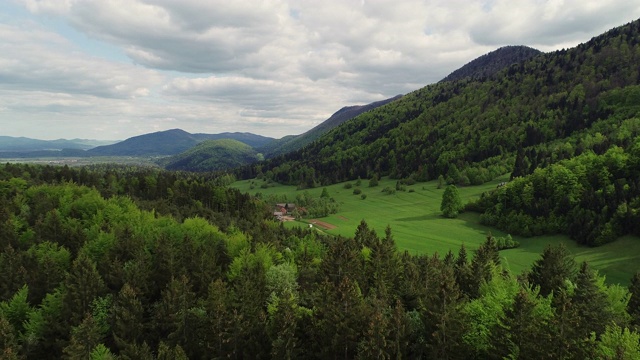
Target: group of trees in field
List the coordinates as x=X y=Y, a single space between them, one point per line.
x=593 y=198
x=84 y=275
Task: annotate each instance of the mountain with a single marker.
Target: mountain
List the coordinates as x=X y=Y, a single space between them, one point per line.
x=479 y=124
x=23 y=144
x=565 y=125
x=170 y=142
x=212 y=155
x=295 y=142
x=253 y=140
x=491 y=63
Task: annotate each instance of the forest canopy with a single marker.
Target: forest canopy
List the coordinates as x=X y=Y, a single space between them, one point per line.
x=96 y=272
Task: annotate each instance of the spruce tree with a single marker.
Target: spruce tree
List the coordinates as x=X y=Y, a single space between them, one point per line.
x=550 y=272
x=128 y=322
x=82 y=284
x=633 y=307
x=85 y=337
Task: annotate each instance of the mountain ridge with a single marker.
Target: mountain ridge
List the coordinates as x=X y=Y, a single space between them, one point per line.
x=492 y=62
x=295 y=142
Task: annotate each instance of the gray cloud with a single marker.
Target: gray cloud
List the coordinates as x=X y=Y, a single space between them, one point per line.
x=271 y=67
x=35 y=60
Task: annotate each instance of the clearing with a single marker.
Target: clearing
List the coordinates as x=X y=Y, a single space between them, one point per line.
x=418 y=227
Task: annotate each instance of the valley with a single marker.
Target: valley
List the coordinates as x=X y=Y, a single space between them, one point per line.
x=418 y=227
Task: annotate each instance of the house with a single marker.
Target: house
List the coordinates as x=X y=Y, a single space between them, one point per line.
x=282 y=211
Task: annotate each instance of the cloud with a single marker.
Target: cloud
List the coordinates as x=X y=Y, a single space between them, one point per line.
x=546 y=24
x=273 y=67
x=35 y=60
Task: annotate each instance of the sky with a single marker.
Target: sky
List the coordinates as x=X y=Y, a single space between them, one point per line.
x=113 y=69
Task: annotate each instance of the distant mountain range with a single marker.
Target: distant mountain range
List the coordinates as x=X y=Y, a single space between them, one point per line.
x=171 y=142
x=9 y=143
x=162 y=143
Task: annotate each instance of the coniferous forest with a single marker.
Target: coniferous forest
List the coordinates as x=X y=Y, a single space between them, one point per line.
x=106 y=262
x=141 y=264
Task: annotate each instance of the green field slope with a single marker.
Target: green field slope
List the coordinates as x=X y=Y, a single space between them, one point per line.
x=418 y=227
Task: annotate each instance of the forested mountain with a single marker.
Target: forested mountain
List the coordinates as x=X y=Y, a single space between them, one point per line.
x=23 y=144
x=212 y=155
x=553 y=107
x=493 y=62
x=170 y=142
x=93 y=267
x=295 y=142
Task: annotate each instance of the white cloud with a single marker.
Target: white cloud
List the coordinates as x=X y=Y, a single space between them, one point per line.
x=36 y=60
x=273 y=67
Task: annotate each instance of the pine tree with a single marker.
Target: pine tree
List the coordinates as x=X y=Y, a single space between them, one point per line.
x=167 y=352
x=442 y=313
x=590 y=302
x=633 y=307
x=522 y=331
x=128 y=322
x=282 y=325
x=9 y=346
x=339 y=319
x=219 y=320
x=553 y=269
x=462 y=271
x=375 y=343
x=173 y=318
x=83 y=284
x=84 y=339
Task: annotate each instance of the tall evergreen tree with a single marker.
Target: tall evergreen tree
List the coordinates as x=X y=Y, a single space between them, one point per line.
x=339 y=319
x=522 y=332
x=553 y=269
x=84 y=339
x=282 y=326
x=128 y=322
x=83 y=284
x=633 y=307
x=174 y=320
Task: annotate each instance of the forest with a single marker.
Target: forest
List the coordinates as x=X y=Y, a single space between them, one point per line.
x=116 y=262
x=564 y=124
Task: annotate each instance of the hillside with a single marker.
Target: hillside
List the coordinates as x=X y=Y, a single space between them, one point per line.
x=491 y=63
x=253 y=140
x=528 y=116
x=170 y=142
x=295 y=142
x=212 y=155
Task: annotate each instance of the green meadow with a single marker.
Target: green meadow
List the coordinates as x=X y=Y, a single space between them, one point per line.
x=418 y=227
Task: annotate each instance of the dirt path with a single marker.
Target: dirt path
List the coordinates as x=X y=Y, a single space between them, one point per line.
x=342 y=218
x=322 y=224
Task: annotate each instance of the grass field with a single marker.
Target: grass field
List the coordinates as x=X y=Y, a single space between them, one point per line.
x=417 y=226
